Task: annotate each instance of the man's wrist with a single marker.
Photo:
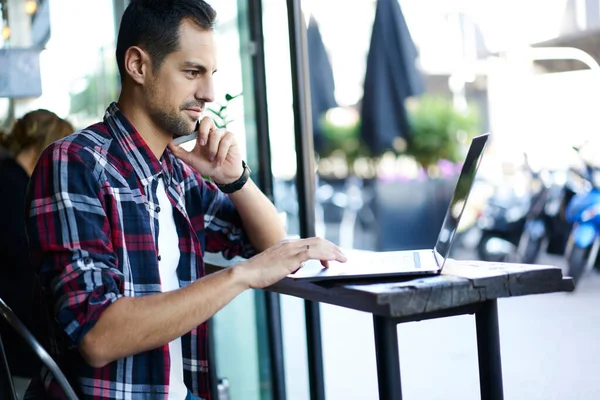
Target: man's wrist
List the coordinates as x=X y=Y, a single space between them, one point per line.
x=237 y=184
x=240 y=275
x=226 y=181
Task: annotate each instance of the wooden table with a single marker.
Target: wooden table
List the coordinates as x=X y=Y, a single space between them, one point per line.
x=464 y=287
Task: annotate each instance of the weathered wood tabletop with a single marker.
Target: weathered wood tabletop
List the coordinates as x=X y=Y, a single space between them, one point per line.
x=461 y=283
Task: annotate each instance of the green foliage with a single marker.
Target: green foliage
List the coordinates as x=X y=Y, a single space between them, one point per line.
x=220 y=114
x=341 y=128
x=438 y=129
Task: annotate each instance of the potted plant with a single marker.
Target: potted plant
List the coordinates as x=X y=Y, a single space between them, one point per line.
x=439 y=131
x=410 y=212
x=342 y=146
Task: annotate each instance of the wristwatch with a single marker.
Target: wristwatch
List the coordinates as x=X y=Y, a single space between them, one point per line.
x=229 y=188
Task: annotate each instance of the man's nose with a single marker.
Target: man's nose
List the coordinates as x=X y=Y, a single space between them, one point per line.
x=205 y=90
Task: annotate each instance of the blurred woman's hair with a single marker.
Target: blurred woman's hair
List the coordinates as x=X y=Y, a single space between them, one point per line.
x=36 y=129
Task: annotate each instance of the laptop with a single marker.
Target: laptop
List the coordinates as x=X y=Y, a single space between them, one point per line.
x=370 y=264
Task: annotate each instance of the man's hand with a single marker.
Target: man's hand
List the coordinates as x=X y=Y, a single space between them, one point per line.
x=286 y=257
x=215 y=155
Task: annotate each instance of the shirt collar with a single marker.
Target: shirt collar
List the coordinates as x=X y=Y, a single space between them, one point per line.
x=138 y=153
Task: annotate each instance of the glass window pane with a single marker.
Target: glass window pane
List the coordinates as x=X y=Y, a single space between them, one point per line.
x=236 y=331
x=282 y=137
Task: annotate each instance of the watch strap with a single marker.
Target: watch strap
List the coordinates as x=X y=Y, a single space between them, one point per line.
x=234 y=186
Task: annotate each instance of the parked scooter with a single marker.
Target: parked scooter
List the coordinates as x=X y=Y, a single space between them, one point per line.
x=503 y=220
x=501 y=224
x=546 y=227
x=584 y=212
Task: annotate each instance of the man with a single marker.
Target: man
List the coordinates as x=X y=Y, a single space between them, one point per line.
x=119 y=219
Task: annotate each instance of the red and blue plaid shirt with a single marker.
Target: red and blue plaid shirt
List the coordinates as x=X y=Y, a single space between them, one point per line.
x=93 y=231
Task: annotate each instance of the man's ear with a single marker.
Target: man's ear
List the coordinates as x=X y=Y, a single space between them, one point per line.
x=137 y=64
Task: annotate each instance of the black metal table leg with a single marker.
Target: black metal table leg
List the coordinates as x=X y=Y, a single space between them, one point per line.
x=314 y=348
x=388 y=359
x=488 y=350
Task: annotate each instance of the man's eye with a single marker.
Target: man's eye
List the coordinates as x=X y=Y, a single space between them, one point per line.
x=192 y=73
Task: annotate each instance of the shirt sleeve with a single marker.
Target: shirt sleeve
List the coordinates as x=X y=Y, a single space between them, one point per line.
x=69 y=239
x=222 y=223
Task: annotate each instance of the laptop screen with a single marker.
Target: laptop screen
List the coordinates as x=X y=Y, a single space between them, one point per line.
x=459 y=199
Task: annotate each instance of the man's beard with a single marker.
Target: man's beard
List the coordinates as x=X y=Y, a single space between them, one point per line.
x=174 y=124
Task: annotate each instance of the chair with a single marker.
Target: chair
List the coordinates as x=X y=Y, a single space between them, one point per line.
x=6 y=383
x=43 y=355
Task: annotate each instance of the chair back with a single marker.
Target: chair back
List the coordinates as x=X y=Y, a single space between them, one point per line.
x=7 y=389
x=14 y=322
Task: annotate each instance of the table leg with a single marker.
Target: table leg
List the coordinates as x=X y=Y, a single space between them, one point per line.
x=316 y=375
x=488 y=350
x=388 y=359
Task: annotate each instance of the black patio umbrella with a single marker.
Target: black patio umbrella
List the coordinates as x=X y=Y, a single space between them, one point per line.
x=322 y=86
x=391 y=77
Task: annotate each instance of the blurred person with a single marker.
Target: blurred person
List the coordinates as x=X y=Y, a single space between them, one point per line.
x=120 y=218
x=21 y=150
x=3 y=150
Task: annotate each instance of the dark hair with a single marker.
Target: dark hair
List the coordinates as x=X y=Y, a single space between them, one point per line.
x=35 y=129
x=154 y=26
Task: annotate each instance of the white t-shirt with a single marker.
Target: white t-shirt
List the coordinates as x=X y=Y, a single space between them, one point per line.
x=168 y=250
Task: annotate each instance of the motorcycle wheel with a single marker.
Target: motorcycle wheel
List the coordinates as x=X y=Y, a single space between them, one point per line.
x=577 y=262
x=484 y=254
x=532 y=250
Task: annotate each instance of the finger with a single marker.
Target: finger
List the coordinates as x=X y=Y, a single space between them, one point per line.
x=309 y=252
x=174 y=148
x=224 y=146
x=341 y=257
x=314 y=243
x=212 y=146
x=189 y=157
x=325 y=246
x=205 y=127
x=313 y=248
x=179 y=151
x=294 y=264
x=325 y=263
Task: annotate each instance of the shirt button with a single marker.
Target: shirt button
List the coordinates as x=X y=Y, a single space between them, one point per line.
x=87 y=260
x=159 y=258
x=157 y=209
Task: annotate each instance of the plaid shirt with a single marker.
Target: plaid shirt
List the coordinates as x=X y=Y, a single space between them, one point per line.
x=93 y=231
